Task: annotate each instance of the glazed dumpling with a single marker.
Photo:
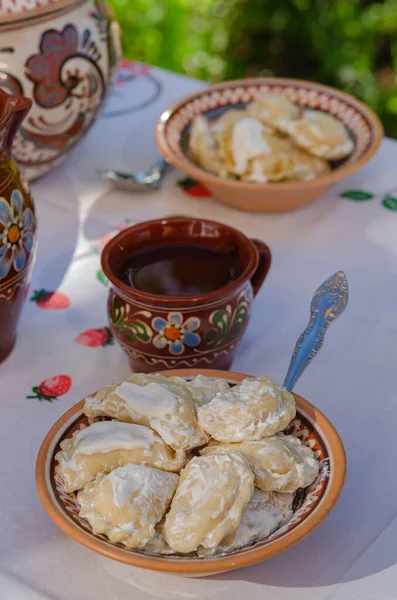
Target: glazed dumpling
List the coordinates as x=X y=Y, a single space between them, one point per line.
x=253 y=409
x=212 y=493
x=274 y=110
x=280 y=463
x=203 y=389
x=154 y=401
x=251 y=153
x=203 y=147
x=105 y=445
x=127 y=504
x=231 y=117
x=321 y=134
x=306 y=165
x=265 y=512
x=157 y=544
x=275 y=166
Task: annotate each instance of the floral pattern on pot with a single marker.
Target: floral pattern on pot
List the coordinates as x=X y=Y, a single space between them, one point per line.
x=175 y=333
x=227 y=322
x=17 y=238
x=128 y=326
x=44 y=69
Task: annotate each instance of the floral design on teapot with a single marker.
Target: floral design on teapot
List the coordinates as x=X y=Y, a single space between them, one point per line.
x=66 y=69
x=16 y=239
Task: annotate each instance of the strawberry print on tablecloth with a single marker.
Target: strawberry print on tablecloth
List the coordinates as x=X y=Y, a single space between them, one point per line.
x=51 y=388
x=193 y=188
x=50 y=300
x=95 y=338
x=128 y=70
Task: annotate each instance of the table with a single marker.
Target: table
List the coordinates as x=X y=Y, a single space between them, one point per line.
x=352 y=555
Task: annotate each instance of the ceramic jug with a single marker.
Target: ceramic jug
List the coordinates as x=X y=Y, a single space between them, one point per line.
x=17 y=224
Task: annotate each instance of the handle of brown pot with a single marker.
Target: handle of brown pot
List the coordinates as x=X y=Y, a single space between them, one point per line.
x=265 y=259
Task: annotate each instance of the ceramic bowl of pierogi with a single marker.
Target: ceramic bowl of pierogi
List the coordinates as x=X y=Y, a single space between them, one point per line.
x=190 y=472
x=268 y=144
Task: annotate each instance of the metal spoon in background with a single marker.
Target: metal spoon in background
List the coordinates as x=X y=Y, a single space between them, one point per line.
x=328 y=302
x=142 y=181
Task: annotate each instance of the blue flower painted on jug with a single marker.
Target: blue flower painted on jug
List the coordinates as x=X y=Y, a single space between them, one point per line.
x=175 y=333
x=16 y=238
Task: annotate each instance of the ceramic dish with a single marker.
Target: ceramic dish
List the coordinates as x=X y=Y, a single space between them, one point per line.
x=362 y=124
x=311 y=506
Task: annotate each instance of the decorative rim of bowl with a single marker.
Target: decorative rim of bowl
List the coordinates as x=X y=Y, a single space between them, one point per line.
x=246 y=90
x=246 y=556
x=223 y=292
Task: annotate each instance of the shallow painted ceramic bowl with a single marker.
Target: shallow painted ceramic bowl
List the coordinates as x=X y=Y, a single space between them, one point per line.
x=63 y=55
x=172 y=134
x=311 y=505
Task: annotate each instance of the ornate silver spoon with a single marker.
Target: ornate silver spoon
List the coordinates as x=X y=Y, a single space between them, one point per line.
x=328 y=302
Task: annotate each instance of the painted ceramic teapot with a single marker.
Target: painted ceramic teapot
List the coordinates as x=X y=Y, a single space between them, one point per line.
x=63 y=55
x=17 y=224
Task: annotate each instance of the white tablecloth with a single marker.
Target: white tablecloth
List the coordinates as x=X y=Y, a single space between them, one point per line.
x=353 y=554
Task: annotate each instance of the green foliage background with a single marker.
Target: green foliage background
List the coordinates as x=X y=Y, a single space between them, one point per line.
x=350 y=44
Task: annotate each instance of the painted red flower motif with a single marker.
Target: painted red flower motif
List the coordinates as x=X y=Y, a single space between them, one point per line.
x=193 y=188
x=44 y=68
x=49 y=300
x=53 y=387
x=93 y=338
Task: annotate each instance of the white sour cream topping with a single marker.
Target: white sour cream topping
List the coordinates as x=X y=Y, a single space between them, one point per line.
x=106 y=436
x=126 y=481
x=153 y=400
x=247 y=142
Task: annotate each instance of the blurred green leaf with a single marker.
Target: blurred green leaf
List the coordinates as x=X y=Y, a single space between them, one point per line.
x=358 y=195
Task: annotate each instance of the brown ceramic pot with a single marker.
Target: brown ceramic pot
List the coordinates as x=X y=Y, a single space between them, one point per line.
x=170 y=332
x=17 y=225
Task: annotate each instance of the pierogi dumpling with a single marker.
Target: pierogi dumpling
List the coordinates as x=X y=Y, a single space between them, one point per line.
x=265 y=512
x=275 y=166
x=203 y=147
x=212 y=493
x=255 y=408
x=306 y=165
x=127 y=504
x=321 y=134
x=154 y=401
x=280 y=463
x=202 y=388
x=252 y=153
x=273 y=109
x=157 y=544
x=103 y=446
x=231 y=116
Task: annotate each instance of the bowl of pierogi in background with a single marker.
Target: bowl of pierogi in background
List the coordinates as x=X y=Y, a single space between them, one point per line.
x=268 y=144
x=307 y=506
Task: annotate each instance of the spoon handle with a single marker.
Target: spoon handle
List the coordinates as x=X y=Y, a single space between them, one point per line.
x=328 y=302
